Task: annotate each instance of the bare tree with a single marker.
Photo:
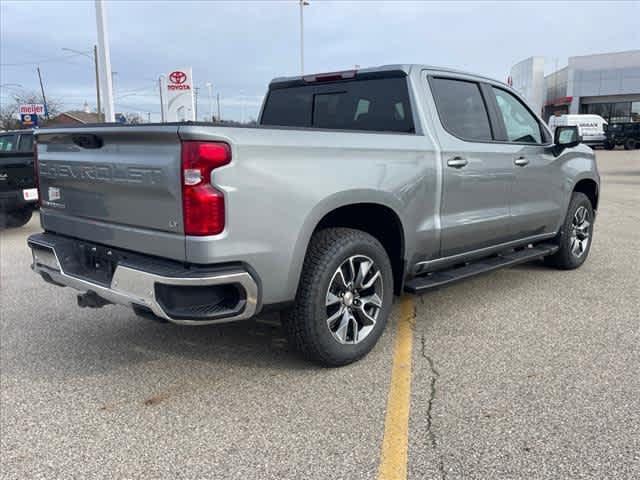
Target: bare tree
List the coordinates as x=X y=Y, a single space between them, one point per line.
x=10 y=111
x=133 y=118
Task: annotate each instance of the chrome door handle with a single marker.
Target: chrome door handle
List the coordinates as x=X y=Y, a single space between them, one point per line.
x=457 y=162
x=521 y=161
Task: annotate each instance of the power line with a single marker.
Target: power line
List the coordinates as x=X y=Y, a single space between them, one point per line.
x=44 y=60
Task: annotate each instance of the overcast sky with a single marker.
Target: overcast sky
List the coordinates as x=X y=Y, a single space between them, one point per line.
x=240 y=45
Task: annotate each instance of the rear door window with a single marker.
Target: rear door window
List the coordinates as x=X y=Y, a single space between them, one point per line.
x=461 y=108
x=380 y=104
x=26 y=143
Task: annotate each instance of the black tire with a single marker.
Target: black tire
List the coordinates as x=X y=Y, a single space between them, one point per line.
x=306 y=322
x=15 y=218
x=609 y=145
x=630 y=144
x=566 y=258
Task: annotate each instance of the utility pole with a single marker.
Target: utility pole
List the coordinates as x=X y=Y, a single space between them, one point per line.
x=303 y=3
x=218 y=100
x=160 y=86
x=93 y=55
x=197 y=92
x=95 y=61
x=210 y=88
x=104 y=57
x=44 y=99
x=148 y=117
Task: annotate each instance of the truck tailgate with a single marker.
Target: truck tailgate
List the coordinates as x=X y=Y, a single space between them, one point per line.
x=113 y=185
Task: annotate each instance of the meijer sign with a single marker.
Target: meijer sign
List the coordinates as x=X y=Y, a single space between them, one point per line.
x=32 y=109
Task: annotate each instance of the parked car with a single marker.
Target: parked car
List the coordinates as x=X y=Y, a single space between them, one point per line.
x=18 y=193
x=625 y=134
x=591 y=127
x=355 y=187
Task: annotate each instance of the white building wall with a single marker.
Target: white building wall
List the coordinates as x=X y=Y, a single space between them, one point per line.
x=603 y=74
x=527 y=78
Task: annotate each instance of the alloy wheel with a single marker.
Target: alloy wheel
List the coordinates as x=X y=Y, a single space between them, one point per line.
x=354 y=299
x=580 y=232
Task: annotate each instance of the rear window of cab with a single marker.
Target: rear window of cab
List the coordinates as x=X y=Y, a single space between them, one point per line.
x=379 y=105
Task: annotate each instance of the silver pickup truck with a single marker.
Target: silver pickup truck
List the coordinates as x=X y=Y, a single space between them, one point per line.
x=354 y=187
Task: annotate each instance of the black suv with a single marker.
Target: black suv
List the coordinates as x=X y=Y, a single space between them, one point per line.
x=627 y=134
x=18 y=193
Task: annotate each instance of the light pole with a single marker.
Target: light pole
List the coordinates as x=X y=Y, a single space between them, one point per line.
x=210 y=88
x=303 y=3
x=160 y=87
x=196 y=92
x=93 y=55
x=104 y=57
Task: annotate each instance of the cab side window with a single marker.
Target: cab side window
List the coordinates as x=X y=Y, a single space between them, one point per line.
x=461 y=108
x=521 y=125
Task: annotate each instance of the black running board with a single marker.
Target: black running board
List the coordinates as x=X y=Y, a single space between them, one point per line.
x=507 y=259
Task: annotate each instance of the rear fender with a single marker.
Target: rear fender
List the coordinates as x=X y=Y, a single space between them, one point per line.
x=327 y=205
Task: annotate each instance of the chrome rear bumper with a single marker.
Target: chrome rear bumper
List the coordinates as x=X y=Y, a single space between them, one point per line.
x=133 y=286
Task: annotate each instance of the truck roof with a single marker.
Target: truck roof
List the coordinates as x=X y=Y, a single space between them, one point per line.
x=22 y=130
x=404 y=67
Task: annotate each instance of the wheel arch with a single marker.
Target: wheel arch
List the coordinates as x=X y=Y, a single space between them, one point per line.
x=369 y=211
x=589 y=187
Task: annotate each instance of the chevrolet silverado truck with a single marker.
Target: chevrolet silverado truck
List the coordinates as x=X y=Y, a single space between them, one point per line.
x=18 y=194
x=354 y=187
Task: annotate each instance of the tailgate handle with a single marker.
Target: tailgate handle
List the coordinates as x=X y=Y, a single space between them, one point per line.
x=87 y=141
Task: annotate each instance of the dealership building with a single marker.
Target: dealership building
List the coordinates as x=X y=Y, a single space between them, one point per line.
x=606 y=84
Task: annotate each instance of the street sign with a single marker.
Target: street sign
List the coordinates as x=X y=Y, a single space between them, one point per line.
x=28 y=120
x=180 y=99
x=32 y=109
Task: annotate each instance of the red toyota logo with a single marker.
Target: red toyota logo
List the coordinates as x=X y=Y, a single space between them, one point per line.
x=178 y=77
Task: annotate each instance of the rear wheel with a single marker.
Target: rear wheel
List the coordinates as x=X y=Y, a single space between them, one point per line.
x=575 y=235
x=630 y=144
x=344 y=297
x=15 y=218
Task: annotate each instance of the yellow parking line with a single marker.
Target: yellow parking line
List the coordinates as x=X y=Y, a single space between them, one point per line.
x=393 y=457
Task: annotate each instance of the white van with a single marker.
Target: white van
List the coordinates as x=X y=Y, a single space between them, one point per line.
x=591 y=127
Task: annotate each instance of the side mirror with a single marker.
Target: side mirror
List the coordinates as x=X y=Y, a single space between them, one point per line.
x=566 y=137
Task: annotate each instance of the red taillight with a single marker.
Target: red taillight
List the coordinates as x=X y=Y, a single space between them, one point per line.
x=202 y=204
x=36 y=169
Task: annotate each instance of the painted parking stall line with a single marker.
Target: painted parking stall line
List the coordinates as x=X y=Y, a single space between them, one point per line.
x=393 y=455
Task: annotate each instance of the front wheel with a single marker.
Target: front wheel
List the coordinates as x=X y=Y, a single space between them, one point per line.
x=344 y=297
x=575 y=235
x=609 y=145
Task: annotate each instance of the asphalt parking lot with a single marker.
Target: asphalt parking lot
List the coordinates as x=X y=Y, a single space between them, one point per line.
x=522 y=373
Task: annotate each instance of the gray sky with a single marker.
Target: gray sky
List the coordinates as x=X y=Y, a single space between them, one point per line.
x=240 y=45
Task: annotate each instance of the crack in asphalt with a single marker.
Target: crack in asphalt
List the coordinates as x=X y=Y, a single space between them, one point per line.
x=435 y=375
